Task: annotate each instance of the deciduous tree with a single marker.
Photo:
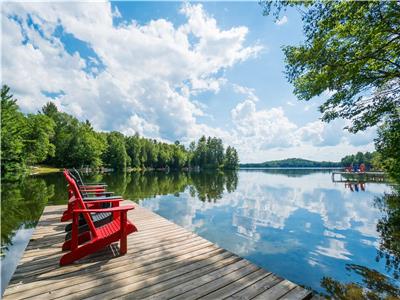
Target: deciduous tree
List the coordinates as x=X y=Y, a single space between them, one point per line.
x=351 y=52
x=13 y=129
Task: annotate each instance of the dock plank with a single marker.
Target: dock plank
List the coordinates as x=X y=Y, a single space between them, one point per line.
x=277 y=291
x=236 y=286
x=297 y=293
x=164 y=261
x=256 y=288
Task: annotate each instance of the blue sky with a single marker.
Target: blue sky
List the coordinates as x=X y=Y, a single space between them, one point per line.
x=171 y=70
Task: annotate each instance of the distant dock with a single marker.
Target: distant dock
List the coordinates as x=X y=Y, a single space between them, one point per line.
x=164 y=261
x=342 y=176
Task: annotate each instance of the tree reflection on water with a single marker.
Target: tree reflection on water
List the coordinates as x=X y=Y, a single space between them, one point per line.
x=22 y=203
x=389 y=229
x=210 y=186
x=375 y=285
x=207 y=186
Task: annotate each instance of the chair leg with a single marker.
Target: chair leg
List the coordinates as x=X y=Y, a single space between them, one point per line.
x=82 y=238
x=76 y=254
x=123 y=247
x=88 y=248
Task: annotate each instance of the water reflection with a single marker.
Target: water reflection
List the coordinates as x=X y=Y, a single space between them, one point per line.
x=292 y=172
x=302 y=227
x=355 y=186
x=206 y=186
x=373 y=285
x=22 y=203
x=296 y=223
x=388 y=228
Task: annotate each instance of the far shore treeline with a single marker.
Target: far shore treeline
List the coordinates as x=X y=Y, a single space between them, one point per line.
x=371 y=160
x=58 y=139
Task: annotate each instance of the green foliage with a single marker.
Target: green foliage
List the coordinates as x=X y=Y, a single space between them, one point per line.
x=87 y=147
x=24 y=139
x=200 y=153
x=388 y=145
x=40 y=131
x=115 y=155
x=359 y=158
x=50 y=110
x=352 y=51
x=133 y=149
x=76 y=143
x=13 y=130
x=371 y=160
x=165 y=155
x=231 y=158
x=209 y=153
x=65 y=135
x=293 y=163
x=61 y=140
x=376 y=161
x=179 y=157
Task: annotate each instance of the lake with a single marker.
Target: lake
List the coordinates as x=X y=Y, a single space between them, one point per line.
x=295 y=223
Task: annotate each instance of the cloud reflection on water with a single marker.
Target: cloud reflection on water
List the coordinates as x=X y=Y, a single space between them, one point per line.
x=299 y=221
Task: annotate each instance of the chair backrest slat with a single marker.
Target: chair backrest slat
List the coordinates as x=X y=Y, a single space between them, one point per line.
x=80 y=202
x=79 y=176
x=78 y=179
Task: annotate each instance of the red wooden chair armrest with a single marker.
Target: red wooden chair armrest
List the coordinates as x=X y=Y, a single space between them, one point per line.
x=111 y=209
x=93 y=189
x=102 y=197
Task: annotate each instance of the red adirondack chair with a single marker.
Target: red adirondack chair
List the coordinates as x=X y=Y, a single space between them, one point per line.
x=87 y=194
x=99 y=219
x=81 y=245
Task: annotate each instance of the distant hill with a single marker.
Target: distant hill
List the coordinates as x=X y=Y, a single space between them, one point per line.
x=293 y=163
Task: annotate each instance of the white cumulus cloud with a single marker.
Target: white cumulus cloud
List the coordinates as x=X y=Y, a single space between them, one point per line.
x=145 y=77
x=269 y=127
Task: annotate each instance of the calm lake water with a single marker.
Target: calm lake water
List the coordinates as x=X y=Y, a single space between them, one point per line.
x=295 y=223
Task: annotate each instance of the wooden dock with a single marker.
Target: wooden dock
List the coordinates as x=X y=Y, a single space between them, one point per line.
x=358 y=177
x=164 y=261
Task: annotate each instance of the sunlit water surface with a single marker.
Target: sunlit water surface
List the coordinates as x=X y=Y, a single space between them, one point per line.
x=297 y=224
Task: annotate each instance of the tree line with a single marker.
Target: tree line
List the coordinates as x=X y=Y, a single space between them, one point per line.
x=293 y=163
x=372 y=160
x=369 y=159
x=58 y=139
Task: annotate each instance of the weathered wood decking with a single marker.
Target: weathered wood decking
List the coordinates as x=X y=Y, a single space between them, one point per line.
x=164 y=261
